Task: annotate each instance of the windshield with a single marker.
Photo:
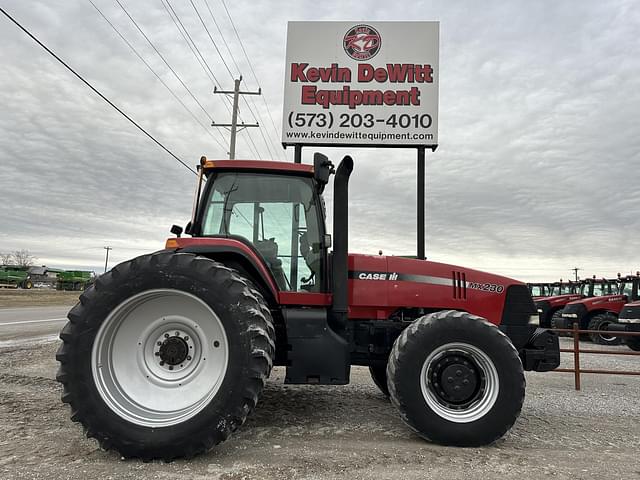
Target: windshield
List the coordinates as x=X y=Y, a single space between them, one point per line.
x=278 y=215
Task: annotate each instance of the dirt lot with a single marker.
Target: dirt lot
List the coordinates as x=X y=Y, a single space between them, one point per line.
x=10 y=297
x=335 y=432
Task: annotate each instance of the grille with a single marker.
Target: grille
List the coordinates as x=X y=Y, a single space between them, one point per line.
x=518 y=306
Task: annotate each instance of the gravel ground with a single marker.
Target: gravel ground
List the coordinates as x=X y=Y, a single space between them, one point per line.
x=351 y=432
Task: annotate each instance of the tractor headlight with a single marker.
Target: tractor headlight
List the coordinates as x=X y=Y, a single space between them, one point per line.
x=570 y=315
x=534 y=319
x=539 y=310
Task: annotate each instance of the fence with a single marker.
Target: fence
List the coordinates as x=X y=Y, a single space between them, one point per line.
x=576 y=350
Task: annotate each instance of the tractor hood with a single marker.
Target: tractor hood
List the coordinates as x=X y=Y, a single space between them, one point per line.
x=560 y=299
x=599 y=302
x=381 y=284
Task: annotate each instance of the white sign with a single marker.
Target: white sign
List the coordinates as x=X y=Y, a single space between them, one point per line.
x=362 y=84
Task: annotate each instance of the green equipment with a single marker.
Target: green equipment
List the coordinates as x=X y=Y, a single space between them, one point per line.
x=74 y=280
x=13 y=276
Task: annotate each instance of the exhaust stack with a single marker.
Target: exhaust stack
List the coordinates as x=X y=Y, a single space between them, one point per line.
x=341 y=242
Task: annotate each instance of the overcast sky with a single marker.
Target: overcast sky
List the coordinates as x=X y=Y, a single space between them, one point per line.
x=537 y=169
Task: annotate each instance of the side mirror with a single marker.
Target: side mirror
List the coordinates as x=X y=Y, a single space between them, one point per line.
x=322 y=168
x=176 y=230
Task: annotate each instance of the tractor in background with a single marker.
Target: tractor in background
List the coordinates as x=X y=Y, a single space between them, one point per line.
x=629 y=321
x=605 y=300
x=550 y=307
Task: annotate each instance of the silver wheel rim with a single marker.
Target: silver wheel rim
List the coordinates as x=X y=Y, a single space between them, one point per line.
x=139 y=363
x=606 y=337
x=487 y=392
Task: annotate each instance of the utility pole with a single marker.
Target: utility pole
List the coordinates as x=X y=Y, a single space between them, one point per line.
x=106 y=260
x=575 y=271
x=234 y=127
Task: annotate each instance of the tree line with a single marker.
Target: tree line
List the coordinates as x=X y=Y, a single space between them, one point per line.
x=21 y=258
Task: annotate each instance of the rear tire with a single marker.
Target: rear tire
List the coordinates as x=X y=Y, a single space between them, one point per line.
x=633 y=343
x=456 y=379
x=379 y=377
x=185 y=405
x=601 y=322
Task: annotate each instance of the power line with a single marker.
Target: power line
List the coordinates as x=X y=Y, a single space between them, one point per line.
x=211 y=38
x=95 y=90
x=233 y=25
x=215 y=45
x=235 y=63
x=206 y=2
x=224 y=62
x=208 y=73
x=133 y=49
x=184 y=32
x=264 y=138
x=163 y=59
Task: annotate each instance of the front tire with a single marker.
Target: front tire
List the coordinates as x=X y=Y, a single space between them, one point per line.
x=601 y=322
x=165 y=355
x=456 y=379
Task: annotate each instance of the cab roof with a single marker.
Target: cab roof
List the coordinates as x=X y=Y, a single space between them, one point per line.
x=257 y=165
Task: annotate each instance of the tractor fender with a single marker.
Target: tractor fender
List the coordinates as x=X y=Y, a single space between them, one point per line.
x=240 y=256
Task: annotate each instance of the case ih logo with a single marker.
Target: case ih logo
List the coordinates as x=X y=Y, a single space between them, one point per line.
x=362 y=42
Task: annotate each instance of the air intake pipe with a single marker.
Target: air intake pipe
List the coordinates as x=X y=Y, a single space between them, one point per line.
x=340 y=255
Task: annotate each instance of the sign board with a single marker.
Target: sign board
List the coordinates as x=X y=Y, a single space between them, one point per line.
x=361 y=84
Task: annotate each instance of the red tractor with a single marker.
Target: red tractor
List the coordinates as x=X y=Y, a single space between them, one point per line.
x=550 y=307
x=167 y=354
x=607 y=297
x=629 y=321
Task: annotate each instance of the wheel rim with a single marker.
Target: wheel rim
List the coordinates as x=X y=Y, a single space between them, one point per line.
x=160 y=357
x=459 y=382
x=604 y=337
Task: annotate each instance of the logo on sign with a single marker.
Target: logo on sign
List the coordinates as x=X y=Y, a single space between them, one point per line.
x=362 y=42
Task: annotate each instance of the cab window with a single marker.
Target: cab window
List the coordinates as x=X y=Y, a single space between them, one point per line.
x=278 y=215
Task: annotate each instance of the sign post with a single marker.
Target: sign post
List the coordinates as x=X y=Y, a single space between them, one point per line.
x=372 y=84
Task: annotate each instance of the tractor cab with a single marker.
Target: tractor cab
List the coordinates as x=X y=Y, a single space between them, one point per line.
x=280 y=215
x=629 y=286
x=538 y=289
x=277 y=215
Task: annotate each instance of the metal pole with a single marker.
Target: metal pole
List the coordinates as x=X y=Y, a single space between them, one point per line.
x=421 y=202
x=233 y=126
x=576 y=355
x=106 y=260
x=234 y=120
x=297 y=154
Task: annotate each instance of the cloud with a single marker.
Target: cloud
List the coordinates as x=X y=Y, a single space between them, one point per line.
x=536 y=171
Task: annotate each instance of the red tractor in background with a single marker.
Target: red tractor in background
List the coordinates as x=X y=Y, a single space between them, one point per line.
x=167 y=353
x=602 y=308
x=629 y=321
x=550 y=307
